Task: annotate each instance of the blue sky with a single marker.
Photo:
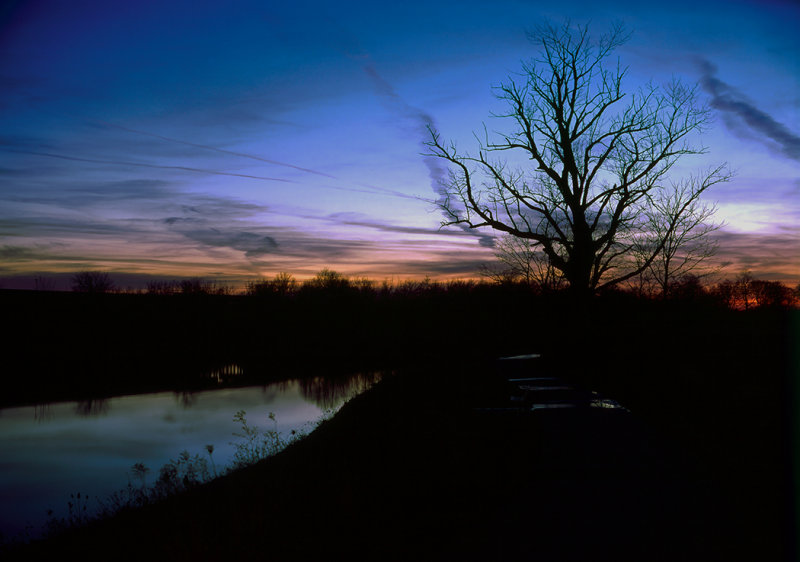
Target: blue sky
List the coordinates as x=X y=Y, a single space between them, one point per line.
x=235 y=140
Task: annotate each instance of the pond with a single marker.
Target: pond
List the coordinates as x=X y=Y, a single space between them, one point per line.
x=53 y=451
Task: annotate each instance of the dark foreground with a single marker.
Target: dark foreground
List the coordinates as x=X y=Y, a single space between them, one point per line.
x=703 y=469
x=404 y=475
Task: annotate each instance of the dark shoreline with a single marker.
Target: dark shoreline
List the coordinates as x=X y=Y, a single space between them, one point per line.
x=72 y=346
x=399 y=475
x=707 y=462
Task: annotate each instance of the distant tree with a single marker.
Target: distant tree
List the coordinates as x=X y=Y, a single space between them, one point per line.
x=42 y=283
x=200 y=286
x=426 y=287
x=746 y=292
x=725 y=293
x=363 y=284
x=194 y=286
x=498 y=274
x=681 y=224
x=771 y=294
x=737 y=293
x=282 y=284
x=743 y=290
x=163 y=287
x=92 y=282
x=600 y=161
x=688 y=288
x=522 y=260
x=329 y=280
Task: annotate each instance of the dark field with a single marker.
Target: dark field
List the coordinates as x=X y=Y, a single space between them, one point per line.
x=701 y=469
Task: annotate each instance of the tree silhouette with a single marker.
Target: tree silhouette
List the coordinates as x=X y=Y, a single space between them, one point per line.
x=521 y=260
x=600 y=159
x=681 y=224
x=746 y=292
x=282 y=284
x=328 y=280
x=92 y=282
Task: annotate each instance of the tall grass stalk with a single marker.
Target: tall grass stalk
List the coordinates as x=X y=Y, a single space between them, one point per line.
x=178 y=475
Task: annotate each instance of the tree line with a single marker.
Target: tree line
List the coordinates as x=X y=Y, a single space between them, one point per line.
x=743 y=292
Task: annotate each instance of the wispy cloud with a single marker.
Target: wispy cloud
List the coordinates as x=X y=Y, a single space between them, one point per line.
x=252 y=244
x=17 y=253
x=767 y=256
x=83 y=194
x=155 y=213
x=418 y=122
x=733 y=103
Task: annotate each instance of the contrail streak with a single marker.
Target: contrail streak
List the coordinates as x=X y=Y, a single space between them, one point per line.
x=215 y=149
x=370 y=188
x=157 y=166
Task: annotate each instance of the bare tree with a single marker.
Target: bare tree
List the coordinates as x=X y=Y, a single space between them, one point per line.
x=746 y=292
x=92 y=282
x=599 y=158
x=282 y=284
x=523 y=260
x=42 y=283
x=771 y=294
x=681 y=224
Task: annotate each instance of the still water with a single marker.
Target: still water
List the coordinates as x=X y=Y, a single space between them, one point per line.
x=49 y=452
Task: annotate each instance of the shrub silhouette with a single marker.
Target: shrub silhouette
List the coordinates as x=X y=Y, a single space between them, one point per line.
x=92 y=282
x=283 y=284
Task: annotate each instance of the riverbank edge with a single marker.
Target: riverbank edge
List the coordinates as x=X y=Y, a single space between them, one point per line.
x=378 y=467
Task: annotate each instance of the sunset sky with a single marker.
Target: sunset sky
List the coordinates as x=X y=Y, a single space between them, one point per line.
x=236 y=140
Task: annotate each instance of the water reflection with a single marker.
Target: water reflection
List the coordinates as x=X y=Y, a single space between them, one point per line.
x=226 y=373
x=96 y=407
x=328 y=392
x=42 y=412
x=186 y=398
x=52 y=451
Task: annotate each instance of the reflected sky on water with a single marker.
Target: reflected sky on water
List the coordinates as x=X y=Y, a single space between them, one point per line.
x=54 y=450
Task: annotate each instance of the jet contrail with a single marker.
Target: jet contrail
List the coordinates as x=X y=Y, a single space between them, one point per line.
x=370 y=188
x=143 y=165
x=214 y=148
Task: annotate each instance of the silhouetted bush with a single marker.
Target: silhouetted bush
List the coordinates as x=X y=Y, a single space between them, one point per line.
x=199 y=286
x=327 y=280
x=92 y=282
x=163 y=287
x=282 y=284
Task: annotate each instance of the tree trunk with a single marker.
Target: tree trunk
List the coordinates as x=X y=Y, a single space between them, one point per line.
x=581 y=259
